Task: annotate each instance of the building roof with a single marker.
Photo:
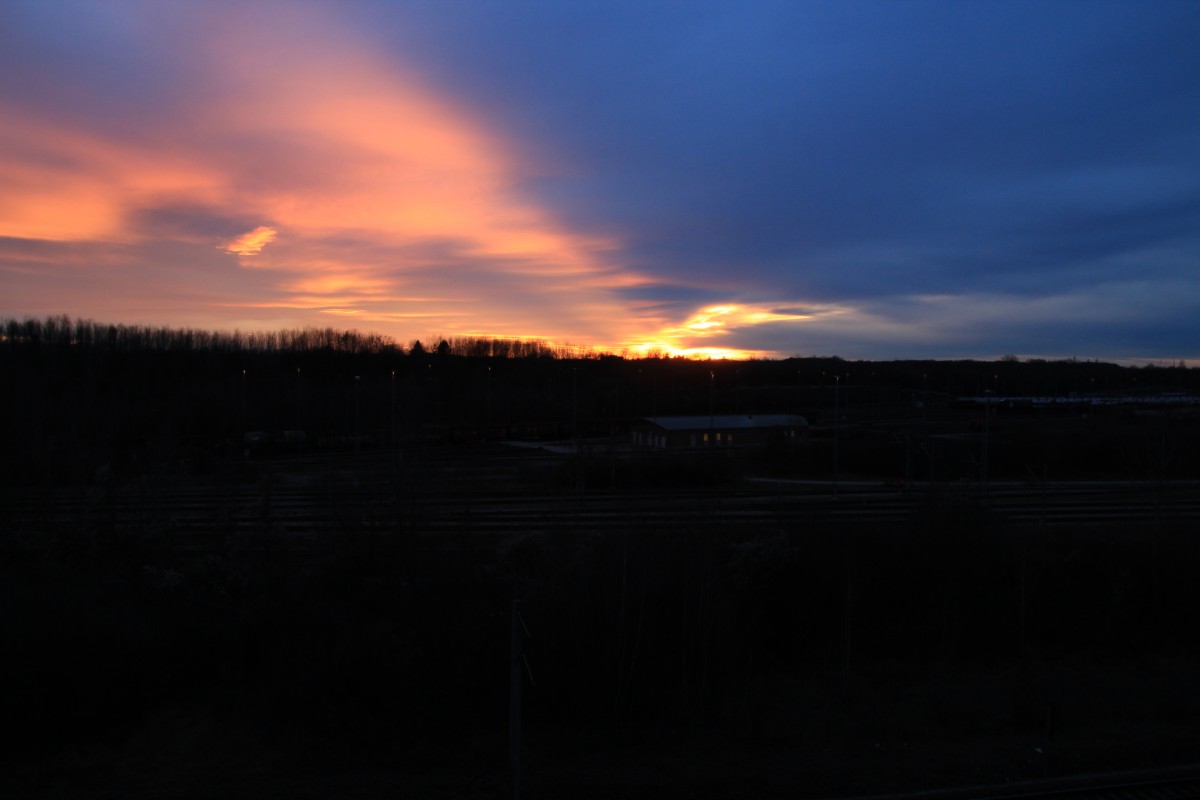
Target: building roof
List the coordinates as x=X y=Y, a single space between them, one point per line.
x=727 y=422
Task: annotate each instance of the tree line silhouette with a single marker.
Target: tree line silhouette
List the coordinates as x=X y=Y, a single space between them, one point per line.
x=85 y=397
x=62 y=330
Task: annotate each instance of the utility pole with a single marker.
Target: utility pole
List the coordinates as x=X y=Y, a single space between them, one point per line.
x=394 y=430
x=836 y=382
x=357 y=409
x=654 y=393
x=298 y=427
x=575 y=406
x=712 y=384
x=987 y=423
x=394 y=441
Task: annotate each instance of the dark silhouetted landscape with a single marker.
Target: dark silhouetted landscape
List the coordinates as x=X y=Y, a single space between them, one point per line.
x=298 y=564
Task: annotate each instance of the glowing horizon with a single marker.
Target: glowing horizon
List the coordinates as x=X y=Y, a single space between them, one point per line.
x=262 y=167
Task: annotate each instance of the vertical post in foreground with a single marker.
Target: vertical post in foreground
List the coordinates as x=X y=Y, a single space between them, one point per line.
x=987 y=424
x=836 y=383
x=514 y=701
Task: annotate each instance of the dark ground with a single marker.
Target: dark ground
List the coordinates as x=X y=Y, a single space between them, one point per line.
x=733 y=646
x=185 y=615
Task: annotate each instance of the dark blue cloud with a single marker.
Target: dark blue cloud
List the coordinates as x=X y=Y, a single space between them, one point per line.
x=106 y=66
x=778 y=143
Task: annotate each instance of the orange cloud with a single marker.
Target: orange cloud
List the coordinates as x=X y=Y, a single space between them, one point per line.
x=60 y=183
x=398 y=203
x=252 y=242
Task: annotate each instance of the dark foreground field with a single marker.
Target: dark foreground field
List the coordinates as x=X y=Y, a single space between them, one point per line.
x=339 y=625
x=236 y=568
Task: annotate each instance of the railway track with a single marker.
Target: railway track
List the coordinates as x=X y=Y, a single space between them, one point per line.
x=296 y=512
x=1181 y=783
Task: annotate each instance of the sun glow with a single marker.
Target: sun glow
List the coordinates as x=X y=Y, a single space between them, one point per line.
x=651 y=349
x=687 y=338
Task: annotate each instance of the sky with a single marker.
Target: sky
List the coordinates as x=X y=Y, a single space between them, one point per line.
x=874 y=180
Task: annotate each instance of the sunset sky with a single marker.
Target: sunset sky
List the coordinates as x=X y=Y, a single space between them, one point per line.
x=868 y=179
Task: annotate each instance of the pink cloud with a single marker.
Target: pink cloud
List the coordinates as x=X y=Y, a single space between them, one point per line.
x=398 y=204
